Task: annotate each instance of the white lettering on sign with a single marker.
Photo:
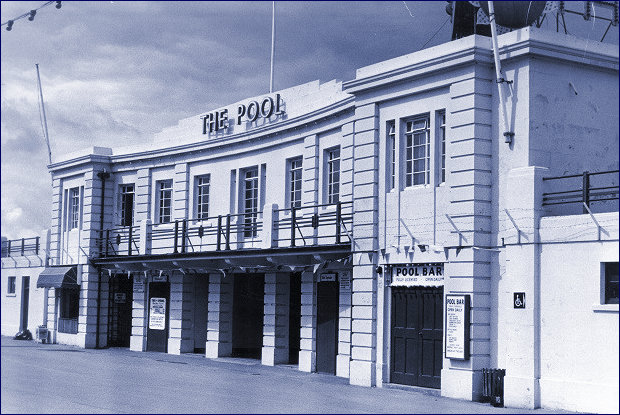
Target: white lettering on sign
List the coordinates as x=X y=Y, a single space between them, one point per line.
x=157 y=314
x=120 y=298
x=345 y=281
x=138 y=284
x=409 y=275
x=328 y=276
x=457 y=327
x=218 y=120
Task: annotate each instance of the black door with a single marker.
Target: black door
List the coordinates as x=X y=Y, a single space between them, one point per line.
x=248 y=311
x=294 y=318
x=417 y=335
x=159 y=309
x=120 y=308
x=23 y=321
x=327 y=326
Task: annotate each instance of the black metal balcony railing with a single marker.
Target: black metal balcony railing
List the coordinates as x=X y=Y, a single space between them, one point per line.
x=20 y=247
x=308 y=225
x=580 y=188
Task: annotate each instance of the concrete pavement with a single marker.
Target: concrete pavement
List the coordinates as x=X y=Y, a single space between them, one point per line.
x=52 y=378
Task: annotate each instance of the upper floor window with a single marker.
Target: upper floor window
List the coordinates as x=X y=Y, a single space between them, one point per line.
x=294 y=177
x=10 y=288
x=202 y=196
x=611 y=282
x=417 y=151
x=391 y=154
x=250 y=202
x=333 y=175
x=74 y=208
x=127 y=196
x=164 y=201
x=441 y=131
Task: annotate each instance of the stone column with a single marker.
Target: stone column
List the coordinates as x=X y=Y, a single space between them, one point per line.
x=143 y=195
x=276 y=319
x=181 y=335
x=365 y=219
x=469 y=149
x=520 y=328
x=180 y=188
x=139 y=316
x=307 y=334
x=219 y=323
x=343 y=358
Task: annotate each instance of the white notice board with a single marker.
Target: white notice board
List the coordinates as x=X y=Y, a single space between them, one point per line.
x=457 y=327
x=157 y=313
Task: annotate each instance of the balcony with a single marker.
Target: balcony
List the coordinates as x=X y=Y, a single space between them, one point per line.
x=272 y=228
x=21 y=247
x=581 y=193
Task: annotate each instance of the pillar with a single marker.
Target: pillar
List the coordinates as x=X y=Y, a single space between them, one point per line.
x=307 y=334
x=219 y=320
x=181 y=334
x=276 y=319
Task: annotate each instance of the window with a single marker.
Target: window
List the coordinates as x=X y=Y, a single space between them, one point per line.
x=126 y=200
x=74 y=208
x=417 y=152
x=441 y=131
x=69 y=310
x=333 y=175
x=164 y=196
x=391 y=154
x=611 y=282
x=10 y=289
x=202 y=196
x=294 y=171
x=250 y=202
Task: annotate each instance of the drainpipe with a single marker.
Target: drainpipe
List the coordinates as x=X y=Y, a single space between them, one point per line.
x=508 y=135
x=103 y=175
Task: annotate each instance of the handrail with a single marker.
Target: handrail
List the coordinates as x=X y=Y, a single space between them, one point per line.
x=22 y=247
x=585 y=194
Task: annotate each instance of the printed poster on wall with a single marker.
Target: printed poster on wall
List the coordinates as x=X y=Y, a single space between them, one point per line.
x=138 y=284
x=345 y=280
x=157 y=314
x=457 y=327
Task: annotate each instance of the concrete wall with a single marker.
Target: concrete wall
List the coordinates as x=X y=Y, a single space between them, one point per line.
x=12 y=303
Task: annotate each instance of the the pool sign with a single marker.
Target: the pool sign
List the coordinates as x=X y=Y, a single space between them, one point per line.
x=408 y=275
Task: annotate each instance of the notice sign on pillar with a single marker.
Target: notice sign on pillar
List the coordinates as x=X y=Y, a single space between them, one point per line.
x=138 y=284
x=157 y=314
x=345 y=281
x=457 y=327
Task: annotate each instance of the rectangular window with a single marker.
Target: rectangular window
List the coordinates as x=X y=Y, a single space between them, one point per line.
x=250 y=202
x=441 y=121
x=10 y=289
x=295 y=171
x=202 y=196
x=611 y=283
x=74 y=208
x=164 y=196
x=333 y=175
x=417 y=151
x=127 y=195
x=391 y=154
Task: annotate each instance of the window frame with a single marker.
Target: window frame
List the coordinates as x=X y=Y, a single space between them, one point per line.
x=10 y=293
x=440 y=117
x=199 y=202
x=160 y=199
x=73 y=218
x=391 y=165
x=607 y=271
x=123 y=204
x=250 y=212
x=410 y=160
x=332 y=196
x=294 y=184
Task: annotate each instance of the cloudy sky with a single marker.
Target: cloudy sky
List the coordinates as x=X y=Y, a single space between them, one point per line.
x=115 y=72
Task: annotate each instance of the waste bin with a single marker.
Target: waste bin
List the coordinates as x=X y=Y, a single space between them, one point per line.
x=42 y=334
x=493 y=386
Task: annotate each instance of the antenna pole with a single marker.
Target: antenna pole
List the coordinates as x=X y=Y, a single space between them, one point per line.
x=498 y=73
x=273 y=42
x=47 y=138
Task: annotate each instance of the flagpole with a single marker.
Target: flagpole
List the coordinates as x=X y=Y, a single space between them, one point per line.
x=47 y=138
x=273 y=42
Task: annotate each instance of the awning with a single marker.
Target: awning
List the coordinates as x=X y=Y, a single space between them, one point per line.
x=58 y=277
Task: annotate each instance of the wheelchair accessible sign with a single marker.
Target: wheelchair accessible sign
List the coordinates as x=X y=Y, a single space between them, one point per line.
x=411 y=275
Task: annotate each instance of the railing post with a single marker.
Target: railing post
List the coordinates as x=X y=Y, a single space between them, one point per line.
x=228 y=232
x=183 y=236
x=176 y=236
x=293 y=224
x=23 y=246
x=338 y=220
x=107 y=241
x=8 y=249
x=36 y=246
x=219 y=232
x=130 y=240
x=586 y=190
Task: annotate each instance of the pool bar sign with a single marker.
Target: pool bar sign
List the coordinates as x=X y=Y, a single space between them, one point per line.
x=457 y=327
x=410 y=275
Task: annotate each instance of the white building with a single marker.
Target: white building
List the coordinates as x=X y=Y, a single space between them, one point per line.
x=327 y=225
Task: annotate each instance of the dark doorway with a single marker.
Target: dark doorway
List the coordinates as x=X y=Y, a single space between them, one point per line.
x=294 y=318
x=417 y=335
x=23 y=321
x=159 y=309
x=327 y=326
x=120 y=308
x=248 y=311
x=201 y=299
